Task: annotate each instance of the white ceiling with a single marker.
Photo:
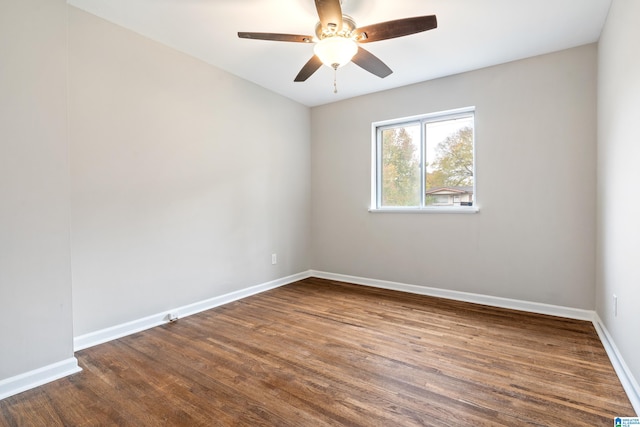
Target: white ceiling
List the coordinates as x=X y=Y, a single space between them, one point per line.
x=471 y=34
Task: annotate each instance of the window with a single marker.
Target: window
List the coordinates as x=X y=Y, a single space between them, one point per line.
x=425 y=163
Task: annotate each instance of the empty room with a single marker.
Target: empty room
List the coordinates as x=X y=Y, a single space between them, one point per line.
x=329 y=212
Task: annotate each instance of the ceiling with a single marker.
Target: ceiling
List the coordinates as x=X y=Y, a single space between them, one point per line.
x=471 y=34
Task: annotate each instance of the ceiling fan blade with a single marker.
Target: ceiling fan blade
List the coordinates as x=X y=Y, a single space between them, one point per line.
x=276 y=37
x=309 y=68
x=371 y=63
x=397 y=28
x=330 y=14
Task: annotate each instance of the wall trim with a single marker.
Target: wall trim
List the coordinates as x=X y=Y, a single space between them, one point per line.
x=37 y=377
x=81 y=342
x=118 y=331
x=623 y=372
x=627 y=379
x=532 y=307
x=91 y=339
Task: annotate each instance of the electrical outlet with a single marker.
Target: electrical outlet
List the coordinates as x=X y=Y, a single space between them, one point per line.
x=615 y=305
x=274 y=259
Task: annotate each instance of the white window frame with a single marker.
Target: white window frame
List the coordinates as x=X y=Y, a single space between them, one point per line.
x=376 y=176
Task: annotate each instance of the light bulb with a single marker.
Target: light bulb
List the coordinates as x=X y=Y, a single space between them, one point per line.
x=335 y=51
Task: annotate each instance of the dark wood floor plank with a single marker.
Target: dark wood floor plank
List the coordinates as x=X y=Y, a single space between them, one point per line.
x=227 y=373
x=336 y=361
x=378 y=365
x=475 y=363
x=323 y=353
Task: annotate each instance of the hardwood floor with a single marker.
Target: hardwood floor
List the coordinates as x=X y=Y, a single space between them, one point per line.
x=318 y=353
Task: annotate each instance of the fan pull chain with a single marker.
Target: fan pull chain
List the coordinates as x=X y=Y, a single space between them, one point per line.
x=335 y=75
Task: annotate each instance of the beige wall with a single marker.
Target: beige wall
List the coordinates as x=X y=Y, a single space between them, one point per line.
x=618 y=177
x=35 y=280
x=185 y=179
x=535 y=141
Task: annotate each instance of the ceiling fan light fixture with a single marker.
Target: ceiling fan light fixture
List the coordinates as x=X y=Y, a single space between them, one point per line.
x=335 y=51
x=337 y=39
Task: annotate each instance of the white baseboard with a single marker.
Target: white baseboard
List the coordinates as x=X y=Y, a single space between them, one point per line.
x=38 y=377
x=118 y=331
x=45 y=374
x=532 y=307
x=627 y=379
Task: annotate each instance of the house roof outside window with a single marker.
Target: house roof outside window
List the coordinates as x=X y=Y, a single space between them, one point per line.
x=450 y=190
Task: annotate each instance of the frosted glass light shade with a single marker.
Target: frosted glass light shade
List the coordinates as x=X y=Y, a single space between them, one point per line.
x=335 y=51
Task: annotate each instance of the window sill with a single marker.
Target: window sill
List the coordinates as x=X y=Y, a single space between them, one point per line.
x=429 y=210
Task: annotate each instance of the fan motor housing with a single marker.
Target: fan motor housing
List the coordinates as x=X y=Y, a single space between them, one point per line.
x=348 y=25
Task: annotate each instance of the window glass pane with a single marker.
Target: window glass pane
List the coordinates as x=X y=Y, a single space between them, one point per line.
x=400 y=166
x=449 y=162
x=425 y=162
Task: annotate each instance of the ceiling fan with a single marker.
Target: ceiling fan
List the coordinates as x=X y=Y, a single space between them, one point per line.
x=337 y=39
